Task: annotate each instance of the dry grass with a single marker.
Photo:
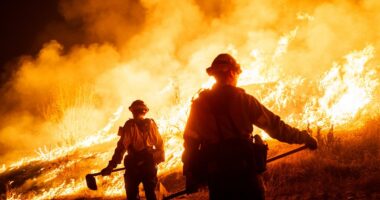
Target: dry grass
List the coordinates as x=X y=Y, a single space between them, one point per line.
x=347 y=167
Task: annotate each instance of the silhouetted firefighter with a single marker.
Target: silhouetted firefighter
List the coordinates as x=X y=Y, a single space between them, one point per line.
x=140 y=137
x=218 y=137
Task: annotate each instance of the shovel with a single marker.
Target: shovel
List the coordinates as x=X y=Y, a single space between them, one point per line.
x=183 y=192
x=91 y=181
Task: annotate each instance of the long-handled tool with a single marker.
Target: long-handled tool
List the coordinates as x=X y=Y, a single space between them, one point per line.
x=183 y=192
x=91 y=181
x=287 y=153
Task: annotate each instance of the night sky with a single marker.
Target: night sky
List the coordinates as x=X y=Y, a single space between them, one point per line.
x=26 y=25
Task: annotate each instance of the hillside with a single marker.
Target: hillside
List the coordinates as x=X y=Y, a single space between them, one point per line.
x=346 y=166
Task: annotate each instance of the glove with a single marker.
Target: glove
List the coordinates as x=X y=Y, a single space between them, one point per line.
x=106 y=171
x=191 y=184
x=310 y=142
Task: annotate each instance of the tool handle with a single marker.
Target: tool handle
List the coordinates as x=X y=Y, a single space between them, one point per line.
x=177 y=194
x=115 y=170
x=287 y=153
x=183 y=192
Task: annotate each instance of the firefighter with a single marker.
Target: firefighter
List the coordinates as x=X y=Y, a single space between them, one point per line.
x=140 y=138
x=217 y=136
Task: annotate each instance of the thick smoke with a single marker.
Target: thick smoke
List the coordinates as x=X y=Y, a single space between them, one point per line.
x=158 y=51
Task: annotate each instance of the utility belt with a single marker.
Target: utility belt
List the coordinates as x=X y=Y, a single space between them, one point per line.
x=149 y=156
x=236 y=156
x=139 y=158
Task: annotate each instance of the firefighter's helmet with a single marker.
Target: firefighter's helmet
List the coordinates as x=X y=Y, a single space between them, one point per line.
x=223 y=63
x=138 y=105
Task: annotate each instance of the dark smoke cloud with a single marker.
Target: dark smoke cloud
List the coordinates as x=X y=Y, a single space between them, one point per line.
x=22 y=25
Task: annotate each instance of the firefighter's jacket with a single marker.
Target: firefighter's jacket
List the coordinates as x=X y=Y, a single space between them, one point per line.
x=137 y=136
x=237 y=112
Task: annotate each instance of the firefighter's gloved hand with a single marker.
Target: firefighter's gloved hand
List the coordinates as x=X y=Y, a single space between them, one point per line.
x=192 y=184
x=106 y=171
x=311 y=143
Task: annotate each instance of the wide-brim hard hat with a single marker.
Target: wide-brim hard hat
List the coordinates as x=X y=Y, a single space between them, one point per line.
x=138 y=105
x=223 y=63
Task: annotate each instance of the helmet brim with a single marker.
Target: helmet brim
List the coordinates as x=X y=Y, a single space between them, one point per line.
x=222 y=68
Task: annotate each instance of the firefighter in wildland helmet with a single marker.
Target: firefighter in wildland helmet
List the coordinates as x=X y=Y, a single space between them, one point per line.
x=140 y=137
x=218 y=136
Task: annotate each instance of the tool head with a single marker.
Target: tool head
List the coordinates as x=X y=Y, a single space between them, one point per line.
x=91 y=182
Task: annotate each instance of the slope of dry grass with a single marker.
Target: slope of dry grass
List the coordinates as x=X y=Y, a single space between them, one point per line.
x=347 y=167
